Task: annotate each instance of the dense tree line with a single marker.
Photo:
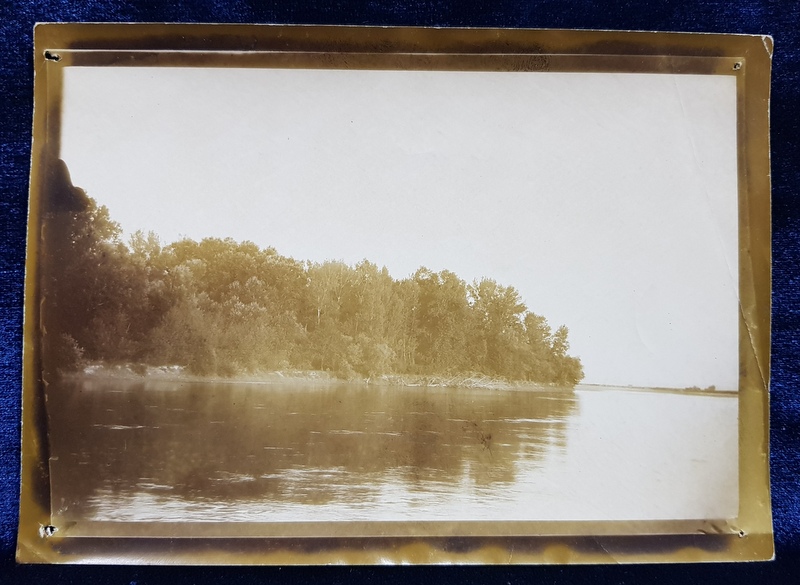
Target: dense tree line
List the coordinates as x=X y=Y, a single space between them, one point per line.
x=219 y=307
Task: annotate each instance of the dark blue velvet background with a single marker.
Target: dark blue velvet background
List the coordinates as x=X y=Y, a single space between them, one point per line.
x=779 y=18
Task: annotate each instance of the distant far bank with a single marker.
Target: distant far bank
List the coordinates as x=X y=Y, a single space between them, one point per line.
x=175 y=373
x=694 y=390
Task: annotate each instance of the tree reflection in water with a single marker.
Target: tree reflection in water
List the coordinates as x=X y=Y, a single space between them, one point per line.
x=233 y=444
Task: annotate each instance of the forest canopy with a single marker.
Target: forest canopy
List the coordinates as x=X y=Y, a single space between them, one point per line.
x=224 y=308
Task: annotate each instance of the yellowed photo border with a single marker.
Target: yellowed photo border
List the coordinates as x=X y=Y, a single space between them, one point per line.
x=747 y=58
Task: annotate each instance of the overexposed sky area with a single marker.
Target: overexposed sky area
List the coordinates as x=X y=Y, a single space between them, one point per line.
x=608 y=200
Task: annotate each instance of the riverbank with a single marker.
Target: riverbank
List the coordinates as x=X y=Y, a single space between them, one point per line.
x=174 y=373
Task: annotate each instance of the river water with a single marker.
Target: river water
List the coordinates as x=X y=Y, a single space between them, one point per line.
x=184 y=452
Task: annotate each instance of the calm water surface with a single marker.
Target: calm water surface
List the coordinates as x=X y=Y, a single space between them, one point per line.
x=165 y=451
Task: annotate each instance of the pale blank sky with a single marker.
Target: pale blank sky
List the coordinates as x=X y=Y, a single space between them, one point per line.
x=608 y=200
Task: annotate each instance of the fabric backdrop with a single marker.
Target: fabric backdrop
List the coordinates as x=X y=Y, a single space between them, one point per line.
x=779 y=18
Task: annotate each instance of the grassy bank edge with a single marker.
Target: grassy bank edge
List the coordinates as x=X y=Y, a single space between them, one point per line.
x=141 y=372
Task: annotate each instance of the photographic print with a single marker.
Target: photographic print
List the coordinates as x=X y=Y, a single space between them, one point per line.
x=393 y=298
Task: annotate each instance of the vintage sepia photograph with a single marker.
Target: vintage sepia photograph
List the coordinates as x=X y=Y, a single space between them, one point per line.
x=285 y=295
x=391 y=298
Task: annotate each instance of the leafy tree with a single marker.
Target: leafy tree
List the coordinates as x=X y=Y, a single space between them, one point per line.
x=85 y=287
x=221 y=307
x=441 y=321
x=500 y=332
